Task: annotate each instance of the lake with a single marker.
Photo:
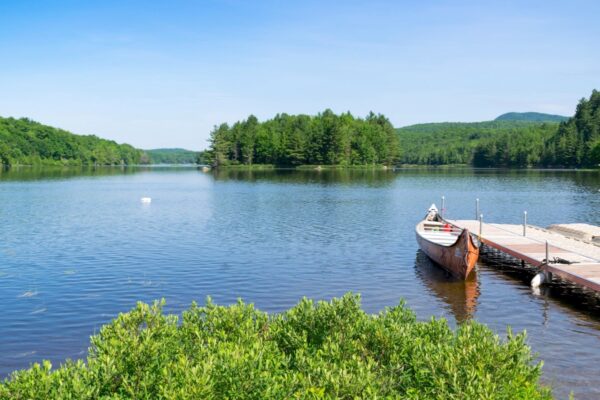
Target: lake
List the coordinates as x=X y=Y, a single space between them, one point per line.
x=78 y=247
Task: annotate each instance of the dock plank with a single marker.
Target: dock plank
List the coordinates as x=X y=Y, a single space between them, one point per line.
x=531 y=248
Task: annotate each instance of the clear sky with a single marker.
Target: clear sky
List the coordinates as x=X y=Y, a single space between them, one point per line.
x=163 y=73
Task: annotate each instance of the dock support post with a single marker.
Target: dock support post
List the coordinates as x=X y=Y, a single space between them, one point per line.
x=524 y=223
x=443 y=205
x=476 y=208
x=543 y=276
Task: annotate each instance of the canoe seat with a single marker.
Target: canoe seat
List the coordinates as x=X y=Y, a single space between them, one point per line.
x=433 y=223
x=443 y=238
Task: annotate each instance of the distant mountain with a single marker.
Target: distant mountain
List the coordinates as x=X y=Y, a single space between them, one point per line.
x=531 y=117
x=172 y=156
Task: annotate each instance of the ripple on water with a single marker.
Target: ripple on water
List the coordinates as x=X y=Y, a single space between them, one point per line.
x=83 y=250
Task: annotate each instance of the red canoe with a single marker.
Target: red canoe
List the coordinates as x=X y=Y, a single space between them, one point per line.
x=452 y=248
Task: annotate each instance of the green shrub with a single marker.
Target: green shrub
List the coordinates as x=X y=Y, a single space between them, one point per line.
x=313 y=351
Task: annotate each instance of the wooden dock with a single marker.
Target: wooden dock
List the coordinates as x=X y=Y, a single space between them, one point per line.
x=584 y=256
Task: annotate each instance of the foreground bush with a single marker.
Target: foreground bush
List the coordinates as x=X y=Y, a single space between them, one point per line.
x=312 y=351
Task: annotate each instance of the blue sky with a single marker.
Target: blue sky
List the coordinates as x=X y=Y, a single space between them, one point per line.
x=163 y=73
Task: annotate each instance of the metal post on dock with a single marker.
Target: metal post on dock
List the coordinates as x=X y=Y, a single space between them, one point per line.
x=476 y=208
x=547 y=274
x=443 y=205
x=524 y=223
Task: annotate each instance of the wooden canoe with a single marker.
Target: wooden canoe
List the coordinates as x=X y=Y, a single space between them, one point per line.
x=454 y=249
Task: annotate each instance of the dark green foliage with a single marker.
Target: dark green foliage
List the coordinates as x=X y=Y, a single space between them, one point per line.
x=26 y=142
x=577 y=142
x=203 y=157
x=324 y=350
x=531 y=117
x=522 y=147
x=173 y=156
x=482 y=144
x=512 y=140
x=290 y=140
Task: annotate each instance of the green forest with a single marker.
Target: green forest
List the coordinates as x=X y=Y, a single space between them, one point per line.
x=173 y=156
x=25 y=142
x=482 y=144
x=512 y=140
x=577 y=141
x=507 y=142
x=291 y=140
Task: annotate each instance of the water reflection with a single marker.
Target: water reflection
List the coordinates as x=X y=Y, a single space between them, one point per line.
x=34 y=173
x=585 y=180
x=460 y=295
x=344 y=177
x=26 y=173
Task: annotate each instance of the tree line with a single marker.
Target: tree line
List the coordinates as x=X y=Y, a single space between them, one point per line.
x=491 y=143
x=573 y=143
x=577 y=141
x=327 y=138
x=173 y=156
x=26 y=142
x=291 y=140
x=330 y=139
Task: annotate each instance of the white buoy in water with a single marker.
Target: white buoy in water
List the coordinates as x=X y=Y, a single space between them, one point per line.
x=146 y=200
x=538 y=280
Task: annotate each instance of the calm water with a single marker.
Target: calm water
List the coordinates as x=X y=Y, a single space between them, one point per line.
x=78 y=247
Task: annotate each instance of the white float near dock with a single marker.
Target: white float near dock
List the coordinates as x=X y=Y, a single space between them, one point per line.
x=146 y=200
x=538 y=280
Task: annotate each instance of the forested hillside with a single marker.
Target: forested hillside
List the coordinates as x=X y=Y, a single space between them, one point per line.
x=288 y=140
x=512 y=140
x=508 y=143
x=531 y=117
x=577 y=142
x=498 y=143
x=173 y=156
x=26 y=142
